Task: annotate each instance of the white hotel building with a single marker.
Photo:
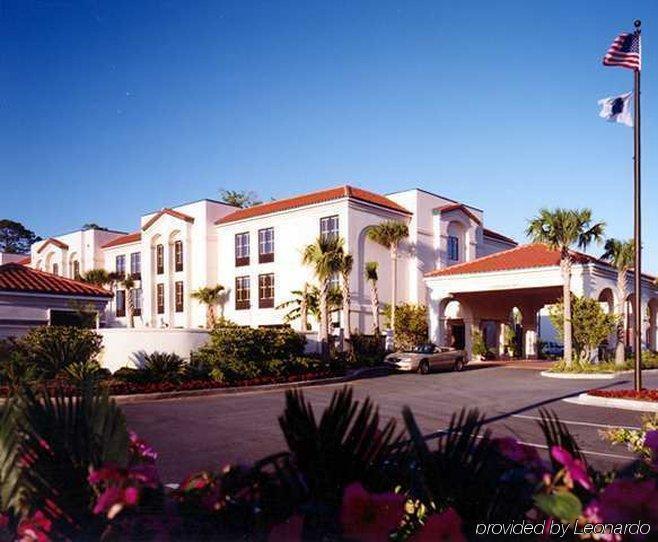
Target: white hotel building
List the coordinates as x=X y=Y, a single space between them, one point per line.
x=255 y=253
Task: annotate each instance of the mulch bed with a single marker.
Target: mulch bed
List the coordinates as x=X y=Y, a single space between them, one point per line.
x=644 y=395
x=116 y=387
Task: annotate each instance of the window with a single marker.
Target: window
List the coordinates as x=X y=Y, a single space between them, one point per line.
x=241 y=249
x=76 y=269
x=55 y=269
x=266 y=291
x=121 y=303
x=266 y=245
x=159 y=298
x=329 y=226
x=120 y=265
x=178 y=256
x=137 y=301
x=242 y=292
x=178 y=288
x=159 y=259
x=334 y=281
x=453 y=248
x=136 y=264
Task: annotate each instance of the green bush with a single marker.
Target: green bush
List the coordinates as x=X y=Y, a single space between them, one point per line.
x=162 y=367
x=15 y=369
x=130 y=375
x=411 y=325
x=51 y=349
x=368 y=349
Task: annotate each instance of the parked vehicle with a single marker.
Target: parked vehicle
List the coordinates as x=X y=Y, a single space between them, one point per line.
x=426 y=357
x=551 y=349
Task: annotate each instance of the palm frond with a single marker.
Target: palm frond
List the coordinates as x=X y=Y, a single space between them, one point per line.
x=557 y=433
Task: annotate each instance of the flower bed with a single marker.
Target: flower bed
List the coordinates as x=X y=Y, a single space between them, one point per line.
x=644 y=395
x=117 y=387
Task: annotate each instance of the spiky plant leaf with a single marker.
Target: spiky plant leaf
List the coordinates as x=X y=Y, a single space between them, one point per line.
x=557 y=433
x=48 y=443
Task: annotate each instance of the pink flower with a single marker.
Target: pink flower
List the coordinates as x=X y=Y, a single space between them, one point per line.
x=370 y=517
x=629 y=500
x=35 y=528
x=575 y=469
x=592 y=514
x=140 y=450
x=444 y=526
x=651 y=442
x=4 y=521
x=288 y=531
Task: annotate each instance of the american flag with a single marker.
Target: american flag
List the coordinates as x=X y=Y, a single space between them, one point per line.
x=625 y=52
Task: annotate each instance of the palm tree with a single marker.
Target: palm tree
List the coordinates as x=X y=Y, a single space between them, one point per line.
x=372 y=278
x=324 y=256
x=97 y=277
x=389 y=234
x=209 y=296
x=560 y=229
x=309 y=300
x=129 y=284
x=346 y=264
x=620 y=254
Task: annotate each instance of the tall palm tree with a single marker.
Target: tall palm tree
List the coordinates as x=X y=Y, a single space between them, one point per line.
x=372 y=278
x=129 y=284
x=346 y=265
x=324 y=256
x=209 y=296
x=303 y=308
x=97 y=277
x=621 y=254
x=560 y=229
x=390 y=234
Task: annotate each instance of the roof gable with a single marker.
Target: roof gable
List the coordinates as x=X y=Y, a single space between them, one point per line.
x=15 y=277
x=321 y=196
x=458 y=207
x=52 y=241
x=170 y=212
x=134 y=237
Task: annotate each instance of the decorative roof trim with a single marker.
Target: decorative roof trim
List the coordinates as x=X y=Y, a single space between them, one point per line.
x=170 y=212
x=458 y=207
x=128 y=239
x=53 y=241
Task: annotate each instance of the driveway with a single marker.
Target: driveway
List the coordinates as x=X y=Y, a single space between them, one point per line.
x=194 y=433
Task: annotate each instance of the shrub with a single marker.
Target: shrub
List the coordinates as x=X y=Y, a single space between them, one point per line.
x=15 y=369
x=411 y=326
x=162 y=367
x=130 y=375
x=88 y=372
x=251 y=344
x=53 y=348
x=479 y=347
x=368 y=349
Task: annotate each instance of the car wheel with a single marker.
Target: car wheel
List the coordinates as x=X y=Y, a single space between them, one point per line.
x=424 y=367
x=459 y=365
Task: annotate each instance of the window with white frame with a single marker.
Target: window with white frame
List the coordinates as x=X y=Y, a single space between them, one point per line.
x=135 y=264
x=242 y=292
x=178 y=256
x=179 y=299
x=453 y=248
x=120 y=265
x=121 y=303
x=266 y=291
x=266 y=245
x=137 y=301
x=329 y=226
x=242 y=248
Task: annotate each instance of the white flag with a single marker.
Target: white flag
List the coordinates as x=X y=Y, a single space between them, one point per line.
x=617 y=109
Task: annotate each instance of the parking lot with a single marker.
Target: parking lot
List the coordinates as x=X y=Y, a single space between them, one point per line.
x=193 y=433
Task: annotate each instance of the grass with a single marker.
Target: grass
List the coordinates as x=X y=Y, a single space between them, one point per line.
x=649 y=361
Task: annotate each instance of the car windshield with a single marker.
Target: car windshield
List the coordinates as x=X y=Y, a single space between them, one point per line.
x=422 y=349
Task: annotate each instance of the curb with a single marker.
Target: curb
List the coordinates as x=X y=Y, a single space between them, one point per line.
x=209 y=392
x=613 y=402
x=593 y=376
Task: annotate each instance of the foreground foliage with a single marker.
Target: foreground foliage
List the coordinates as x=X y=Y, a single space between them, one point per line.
x=70 y=470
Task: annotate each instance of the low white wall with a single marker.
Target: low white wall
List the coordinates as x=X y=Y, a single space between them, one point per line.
x=124 y=347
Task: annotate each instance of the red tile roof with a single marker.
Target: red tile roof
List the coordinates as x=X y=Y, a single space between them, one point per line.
x=321 y=196
x=498 y=236
x=124 y=240
x=521 y=257
x=15 y=277
x=53 y=241
x=167 y=211
x=25 y=261
x=458 y=207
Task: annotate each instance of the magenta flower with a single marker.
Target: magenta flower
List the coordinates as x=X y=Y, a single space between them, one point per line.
x=140 y=449
x=651 y=442
x=575 y=470
x=35 y=528
x=520 y=453
x=370 y=517
x=629 y=500
x=446 y=526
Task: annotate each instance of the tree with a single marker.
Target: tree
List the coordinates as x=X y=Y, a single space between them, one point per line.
x=97 y=277
x=560 y=229
x=209 y=296
x=621 y=254
x=93 y=226
x=372 y=278
x=129 y=284
x=413 y=329
x=16 y=238
x=239 y=198
x=389 y=234
x=324 y=256
x=590 y=323
x=346 y=265
x=309 y=300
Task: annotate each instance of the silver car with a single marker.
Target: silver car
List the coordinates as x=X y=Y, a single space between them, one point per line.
x=426 y=357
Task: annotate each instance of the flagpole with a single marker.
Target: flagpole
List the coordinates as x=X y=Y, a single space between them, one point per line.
x=637 y=336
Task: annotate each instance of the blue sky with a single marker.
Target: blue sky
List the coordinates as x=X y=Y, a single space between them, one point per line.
x=110 y=109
